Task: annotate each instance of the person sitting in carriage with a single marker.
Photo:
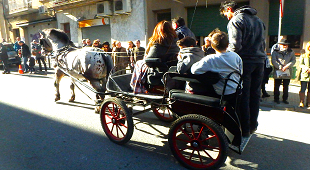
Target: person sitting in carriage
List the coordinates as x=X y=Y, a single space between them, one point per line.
x=162 y=44
x=222 y=62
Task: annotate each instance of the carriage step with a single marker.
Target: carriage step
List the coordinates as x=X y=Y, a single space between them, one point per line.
x=244 y=142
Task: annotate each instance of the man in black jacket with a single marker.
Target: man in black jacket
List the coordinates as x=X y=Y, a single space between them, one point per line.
x=181 y=30
x=25 y=55
x=4 y=57
x=247 y=38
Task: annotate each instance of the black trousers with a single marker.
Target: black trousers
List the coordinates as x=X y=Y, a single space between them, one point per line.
x=6 y=66
x=39 y=59
x=277 y=83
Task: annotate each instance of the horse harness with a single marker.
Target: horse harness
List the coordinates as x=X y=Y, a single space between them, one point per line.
x=61 y=59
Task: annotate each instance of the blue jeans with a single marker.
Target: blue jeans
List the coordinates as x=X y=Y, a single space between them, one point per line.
x=253 y=74
x=26 y=67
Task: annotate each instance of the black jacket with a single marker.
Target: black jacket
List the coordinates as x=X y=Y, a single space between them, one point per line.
x=4 y=54
x=247 y=35
x=25 y=51
x=164 y=51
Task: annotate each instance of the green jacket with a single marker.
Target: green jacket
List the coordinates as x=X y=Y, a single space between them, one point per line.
x=304 y=66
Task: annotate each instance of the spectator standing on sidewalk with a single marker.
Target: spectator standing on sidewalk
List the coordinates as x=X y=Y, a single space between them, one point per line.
x=16 y=45
x=283 y=60
x=305 y=77
x=120 y=57
x=36 y=48
x=246 y=34
x=25 y=53
x=4 y=57
x=178 y=24
x=139 y=51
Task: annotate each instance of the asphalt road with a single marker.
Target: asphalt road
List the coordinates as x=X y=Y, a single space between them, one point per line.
x=38 y=133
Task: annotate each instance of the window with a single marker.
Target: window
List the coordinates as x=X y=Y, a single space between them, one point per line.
x=67 y=29
x=163 y=16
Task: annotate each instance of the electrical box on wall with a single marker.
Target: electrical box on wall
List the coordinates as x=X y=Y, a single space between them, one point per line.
x=122 y=7
x=42 y=9
x=104 y=9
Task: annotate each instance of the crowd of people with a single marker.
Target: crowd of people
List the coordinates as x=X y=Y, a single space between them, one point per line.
x=122 y=57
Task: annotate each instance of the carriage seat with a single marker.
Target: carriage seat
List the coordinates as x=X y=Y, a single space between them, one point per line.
x=194 y=98
x=157 y=68
x=155 y=71
x=206 y=78
x=120 y=83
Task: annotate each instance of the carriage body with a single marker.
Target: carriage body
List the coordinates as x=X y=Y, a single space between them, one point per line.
x=201 y=135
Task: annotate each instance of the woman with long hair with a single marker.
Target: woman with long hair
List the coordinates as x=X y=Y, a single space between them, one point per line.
x=162 y=44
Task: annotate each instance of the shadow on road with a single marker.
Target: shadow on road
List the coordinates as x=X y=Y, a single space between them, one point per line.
x=78 y=104
x=29 y=141
x=269 y=152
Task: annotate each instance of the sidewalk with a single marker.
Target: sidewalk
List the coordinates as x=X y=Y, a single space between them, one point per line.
x=293 y=98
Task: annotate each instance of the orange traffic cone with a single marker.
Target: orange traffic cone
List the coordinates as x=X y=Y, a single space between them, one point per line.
x=20 y=69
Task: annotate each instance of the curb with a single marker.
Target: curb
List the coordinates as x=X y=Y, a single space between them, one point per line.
x=284 y=107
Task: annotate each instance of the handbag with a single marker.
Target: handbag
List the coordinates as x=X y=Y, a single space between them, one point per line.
x=280 y=73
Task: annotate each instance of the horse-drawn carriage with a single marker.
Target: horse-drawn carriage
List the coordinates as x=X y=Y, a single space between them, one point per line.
x=203 y=127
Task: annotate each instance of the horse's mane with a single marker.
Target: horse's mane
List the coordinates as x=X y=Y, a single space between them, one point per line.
x=58 y=34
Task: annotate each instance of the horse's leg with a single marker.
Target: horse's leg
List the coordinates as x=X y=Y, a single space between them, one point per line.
x=72 y=92
x=99 y=86
x=58 y=76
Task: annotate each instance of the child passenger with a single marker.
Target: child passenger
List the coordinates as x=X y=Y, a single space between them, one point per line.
x=188 y=55
x=223 y=62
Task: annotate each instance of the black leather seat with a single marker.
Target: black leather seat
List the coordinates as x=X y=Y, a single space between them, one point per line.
x=194 y=98
x=156 y=70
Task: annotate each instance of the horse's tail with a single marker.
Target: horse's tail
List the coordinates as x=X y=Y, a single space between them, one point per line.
x=109 y=63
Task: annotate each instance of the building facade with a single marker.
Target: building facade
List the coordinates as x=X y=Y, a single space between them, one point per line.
x=130 y=20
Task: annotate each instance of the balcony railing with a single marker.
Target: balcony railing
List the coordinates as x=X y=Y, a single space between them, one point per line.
x=71 y=3
x=16 y=6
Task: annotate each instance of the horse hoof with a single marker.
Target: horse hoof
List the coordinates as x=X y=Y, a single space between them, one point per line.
x=72 y=98
x=97 y=109
x=57 y=98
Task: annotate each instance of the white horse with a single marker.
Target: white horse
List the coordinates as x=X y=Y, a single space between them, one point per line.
x=88 y=62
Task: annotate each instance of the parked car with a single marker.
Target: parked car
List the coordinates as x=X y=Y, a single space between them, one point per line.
x=12 y=54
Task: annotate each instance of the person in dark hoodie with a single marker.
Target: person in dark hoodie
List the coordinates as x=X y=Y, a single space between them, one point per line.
x=247 y=38
x=188 y=55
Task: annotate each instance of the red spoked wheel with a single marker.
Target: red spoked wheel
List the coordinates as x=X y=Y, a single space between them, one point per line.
x=197 y=142
x=164 y=114
x=116 y=121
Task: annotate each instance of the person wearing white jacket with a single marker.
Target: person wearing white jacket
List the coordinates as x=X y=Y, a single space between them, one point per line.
x=224 y=62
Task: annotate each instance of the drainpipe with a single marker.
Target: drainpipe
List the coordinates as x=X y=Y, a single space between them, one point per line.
x=145 y=22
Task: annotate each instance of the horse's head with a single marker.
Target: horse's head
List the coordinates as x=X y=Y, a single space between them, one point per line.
x=53 y=39
x=45 y=43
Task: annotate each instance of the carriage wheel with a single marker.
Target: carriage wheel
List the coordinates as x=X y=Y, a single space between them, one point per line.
x=164 y=114
x=197 y=142
x=116 y=120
